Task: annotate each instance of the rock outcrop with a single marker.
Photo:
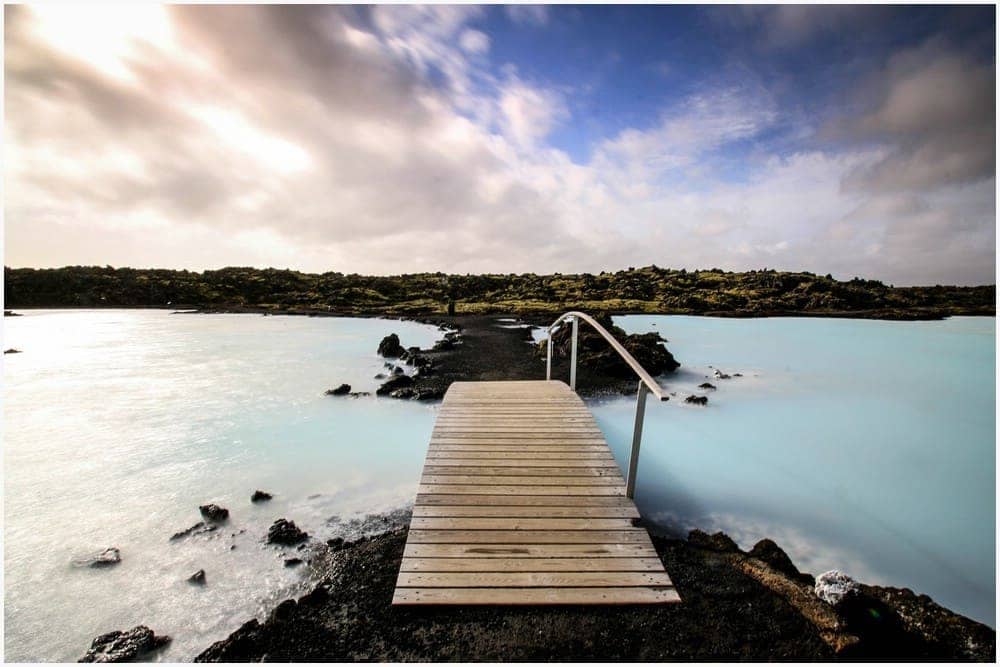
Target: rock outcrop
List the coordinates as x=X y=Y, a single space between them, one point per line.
x=390 y=347
x=286 y=533
x=119 y=646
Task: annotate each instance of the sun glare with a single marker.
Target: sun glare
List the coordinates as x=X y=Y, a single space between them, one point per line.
x=106 y=37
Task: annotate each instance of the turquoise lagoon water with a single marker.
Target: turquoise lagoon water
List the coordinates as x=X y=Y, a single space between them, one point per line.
x=866 y=446
x=861 y=445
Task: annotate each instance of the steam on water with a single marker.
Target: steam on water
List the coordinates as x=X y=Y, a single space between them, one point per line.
x=861 y=445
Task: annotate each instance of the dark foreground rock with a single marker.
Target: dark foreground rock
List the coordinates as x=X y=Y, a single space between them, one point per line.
x=11 y=350
x=342 y=390
x=125 y=646
x=213 y=512
x=260 y=496
x=198 y=578
x=285 y=532
x=735 y=607
x=696 y=400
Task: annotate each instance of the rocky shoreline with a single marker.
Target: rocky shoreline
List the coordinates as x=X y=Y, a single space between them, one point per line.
x=736 y=605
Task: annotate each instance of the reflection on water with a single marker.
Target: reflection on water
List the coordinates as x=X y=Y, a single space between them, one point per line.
x=861 y=445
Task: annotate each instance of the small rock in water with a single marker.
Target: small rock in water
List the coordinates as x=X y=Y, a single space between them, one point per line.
x=697 y=400
x=706 y=385
x=380 y=376
x=11 y=350
x=359 y=394
x=292 y=562
x=199 y=528
x=390 y=347
x=260 y=496
x=720 y=375
x=834 y=586
x=395 y=383
x=396 y=370
x=339 y=391
x=286 y=532
x=197 y=578
x=106 y=558
x=121 y=646
x=213 y=512
x=737 y=375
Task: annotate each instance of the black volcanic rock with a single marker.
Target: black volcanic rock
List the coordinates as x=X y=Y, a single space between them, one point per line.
x=397 y=382
x=285 y=532
x=260 y=496
x=697 y=400
x=390 y=347
x=342 y=390
x=125 y=646
x=213 y=512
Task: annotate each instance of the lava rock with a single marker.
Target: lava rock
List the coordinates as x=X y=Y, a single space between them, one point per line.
x=339 y=391
x=380 y=376
x=444 y=344
x=397 y=370
x=121 y=646
x=720 y=375
x=594 y=352
x=260 y=496
x=395 y=383
x=337 y=543
x=105 y=558
x=717 y=542
x=199 y=528
x=292 y=562
x=696 y=400
x=769 y=552
x=359 y=394
x=11 y=350
x=198 y=578
x=707 y=385
x=833 y=586
x=390 y=347
x=404 y=392
x=285 y=532
x=213 y=512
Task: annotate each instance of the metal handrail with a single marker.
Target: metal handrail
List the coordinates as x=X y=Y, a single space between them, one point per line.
x=647 y=385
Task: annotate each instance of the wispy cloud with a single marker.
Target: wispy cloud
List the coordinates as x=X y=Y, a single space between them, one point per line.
x=386 y=140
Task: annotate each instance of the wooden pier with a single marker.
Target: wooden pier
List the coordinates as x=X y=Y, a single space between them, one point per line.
x=521 y=502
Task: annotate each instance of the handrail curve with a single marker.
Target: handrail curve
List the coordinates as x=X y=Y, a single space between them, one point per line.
x=647 y=379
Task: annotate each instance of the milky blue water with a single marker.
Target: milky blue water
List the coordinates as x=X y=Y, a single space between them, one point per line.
x=861 y=445
x=866 y=446
x=118 y=424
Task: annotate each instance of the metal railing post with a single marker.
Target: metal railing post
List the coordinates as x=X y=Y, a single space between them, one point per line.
x=633 y=460
x=548 y=358
x=572 y=366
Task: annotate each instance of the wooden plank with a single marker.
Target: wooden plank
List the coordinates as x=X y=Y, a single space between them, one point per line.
x=413 y=550
x=523 y=490
x=533 y=523
x=551 y=465
x=531 y=565
x=537 y=511
x=530 y=596
x=591 y=537
x=437 y=499
x=530 y=579
x=547 y=452
x=539 y=479
x=609 y=470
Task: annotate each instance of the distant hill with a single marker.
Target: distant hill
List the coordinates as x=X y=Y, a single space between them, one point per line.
x=644 y=290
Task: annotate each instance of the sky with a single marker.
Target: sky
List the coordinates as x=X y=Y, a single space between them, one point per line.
x=852 y=140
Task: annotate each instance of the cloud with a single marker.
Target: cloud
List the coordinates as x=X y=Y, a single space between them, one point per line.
x=791 y=26
x=935 y=111
x=382 y=141
x=474 y=41
x=530 y=15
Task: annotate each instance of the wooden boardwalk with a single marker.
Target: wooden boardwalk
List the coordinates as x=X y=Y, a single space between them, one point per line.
x=521 y=502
